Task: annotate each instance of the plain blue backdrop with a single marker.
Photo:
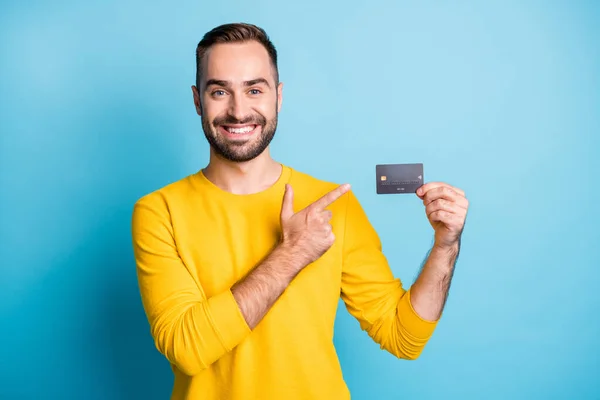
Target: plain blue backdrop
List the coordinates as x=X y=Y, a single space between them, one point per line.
x=498 y=98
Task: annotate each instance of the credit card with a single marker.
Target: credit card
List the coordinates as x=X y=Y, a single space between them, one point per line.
x=399 y=178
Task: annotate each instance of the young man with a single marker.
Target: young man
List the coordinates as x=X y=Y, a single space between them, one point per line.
x=241 y=265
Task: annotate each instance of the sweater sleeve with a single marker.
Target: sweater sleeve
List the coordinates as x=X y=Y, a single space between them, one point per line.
x=189 y=329
x=371 y=293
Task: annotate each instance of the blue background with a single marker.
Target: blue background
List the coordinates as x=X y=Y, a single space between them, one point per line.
x=501 y=99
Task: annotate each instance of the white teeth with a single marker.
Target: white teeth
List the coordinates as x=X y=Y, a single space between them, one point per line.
x=245 y=129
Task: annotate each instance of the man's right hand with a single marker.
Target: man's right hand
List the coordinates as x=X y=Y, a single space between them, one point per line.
x=308 y=233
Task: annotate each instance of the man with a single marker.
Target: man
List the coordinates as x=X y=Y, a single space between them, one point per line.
x=241 y=265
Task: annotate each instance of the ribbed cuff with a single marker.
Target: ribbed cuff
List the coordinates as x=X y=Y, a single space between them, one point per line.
x=227 y=319
x=413 y=322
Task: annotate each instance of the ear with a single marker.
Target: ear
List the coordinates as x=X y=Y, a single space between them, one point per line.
x=279 y=96
x=197 y=100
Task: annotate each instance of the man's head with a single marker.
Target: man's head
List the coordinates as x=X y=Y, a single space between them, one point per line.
x=237 y=92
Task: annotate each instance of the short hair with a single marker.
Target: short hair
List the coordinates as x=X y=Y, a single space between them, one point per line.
x=234 y=33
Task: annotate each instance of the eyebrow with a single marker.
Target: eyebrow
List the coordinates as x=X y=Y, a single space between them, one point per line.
x=252 y=82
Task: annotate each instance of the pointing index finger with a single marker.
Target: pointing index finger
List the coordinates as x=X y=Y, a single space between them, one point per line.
x=332 y=196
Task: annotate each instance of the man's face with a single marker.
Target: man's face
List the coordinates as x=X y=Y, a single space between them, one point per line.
x=238 y=100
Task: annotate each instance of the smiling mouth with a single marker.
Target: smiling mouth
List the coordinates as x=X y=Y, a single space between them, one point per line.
x=239 y=129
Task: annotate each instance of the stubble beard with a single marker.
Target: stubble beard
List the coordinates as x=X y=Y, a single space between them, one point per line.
x=239 y=151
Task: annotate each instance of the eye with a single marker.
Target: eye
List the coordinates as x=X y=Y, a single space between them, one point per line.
x=255 y=91
x=218 y=93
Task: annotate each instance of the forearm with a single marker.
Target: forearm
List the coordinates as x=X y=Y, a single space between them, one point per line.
x=430 y=290
x=257 y=293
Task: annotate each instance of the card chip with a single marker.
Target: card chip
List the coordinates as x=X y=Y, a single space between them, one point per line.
x=383 y=177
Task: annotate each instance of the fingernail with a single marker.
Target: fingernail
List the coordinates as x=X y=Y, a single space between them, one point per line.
x=419 y=191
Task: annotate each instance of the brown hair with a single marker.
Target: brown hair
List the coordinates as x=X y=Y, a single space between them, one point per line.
x=232 y=33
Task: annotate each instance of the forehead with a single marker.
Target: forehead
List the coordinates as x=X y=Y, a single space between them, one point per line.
x=237 y=62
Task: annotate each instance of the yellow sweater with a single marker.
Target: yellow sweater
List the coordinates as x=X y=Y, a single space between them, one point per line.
x=193 y=241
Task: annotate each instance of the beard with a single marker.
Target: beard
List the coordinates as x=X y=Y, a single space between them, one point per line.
x=239 y=151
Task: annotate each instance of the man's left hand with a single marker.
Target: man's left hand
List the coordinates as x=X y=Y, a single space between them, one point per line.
x=446 y=208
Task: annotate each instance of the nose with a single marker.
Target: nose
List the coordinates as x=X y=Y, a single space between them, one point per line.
x=238 y=107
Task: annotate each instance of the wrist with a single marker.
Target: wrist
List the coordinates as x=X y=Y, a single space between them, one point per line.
x=290 y=257
x=451 y=249
x=444 y=256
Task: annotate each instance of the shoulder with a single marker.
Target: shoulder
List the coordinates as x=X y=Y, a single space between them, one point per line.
x=308 y=188
x=309 y=182
x=169 y=193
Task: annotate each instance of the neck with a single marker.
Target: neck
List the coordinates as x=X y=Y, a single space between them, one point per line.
x=243 y=177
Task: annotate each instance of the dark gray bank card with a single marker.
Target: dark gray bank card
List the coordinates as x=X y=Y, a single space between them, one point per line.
x=399 y=178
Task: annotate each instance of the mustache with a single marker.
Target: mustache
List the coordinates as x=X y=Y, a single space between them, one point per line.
x=231 y=120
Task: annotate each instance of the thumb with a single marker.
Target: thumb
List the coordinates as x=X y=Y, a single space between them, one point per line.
x=287 y=208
